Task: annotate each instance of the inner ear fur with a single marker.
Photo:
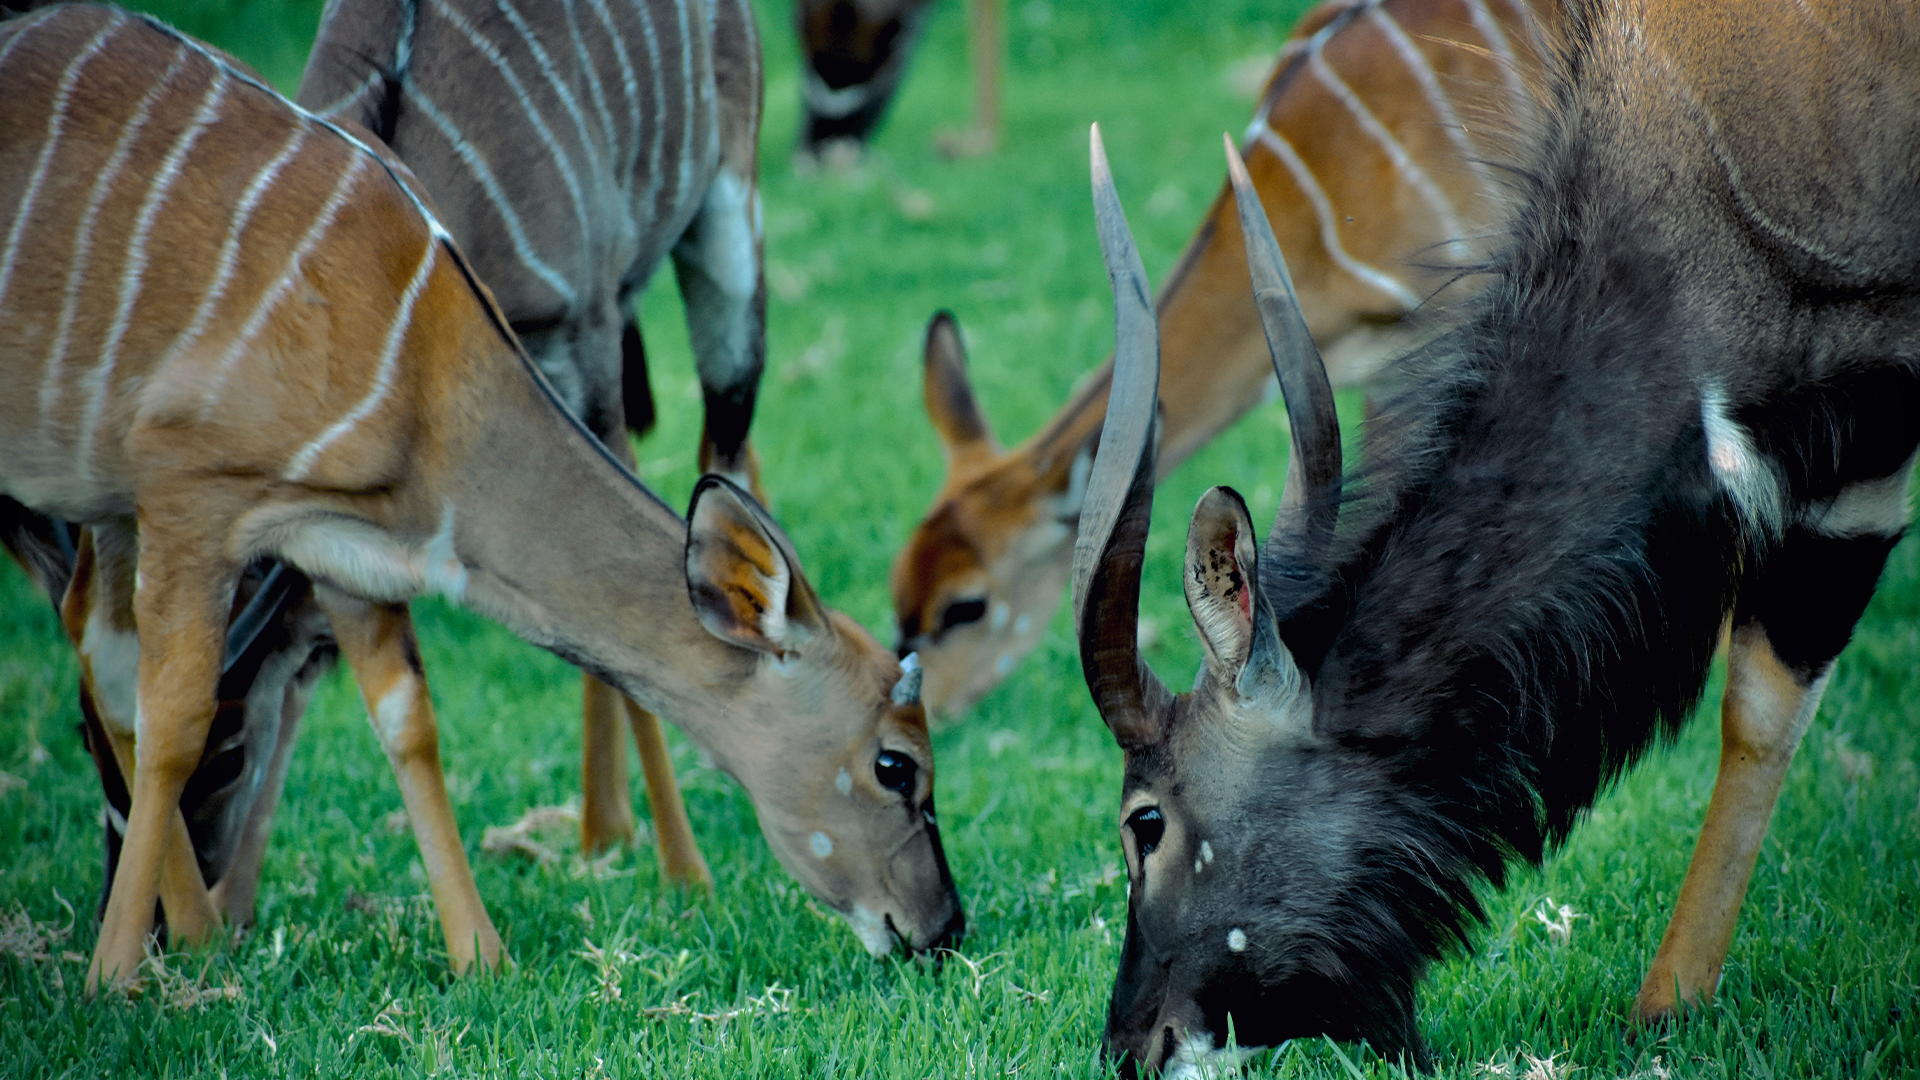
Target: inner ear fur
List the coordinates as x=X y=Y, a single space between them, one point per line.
x=962 y=427
x=1221 y=579
x=742 y=575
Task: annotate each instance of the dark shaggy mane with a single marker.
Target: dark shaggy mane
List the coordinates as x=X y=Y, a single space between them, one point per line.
x=1535 y=558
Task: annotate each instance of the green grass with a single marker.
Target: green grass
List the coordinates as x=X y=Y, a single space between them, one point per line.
x=344 y=975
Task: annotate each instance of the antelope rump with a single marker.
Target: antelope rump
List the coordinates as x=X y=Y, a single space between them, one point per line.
x=1687 y=394
x=248 y=335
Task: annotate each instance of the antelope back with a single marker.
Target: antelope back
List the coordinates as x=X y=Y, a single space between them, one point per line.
x=1370 y=148
x=166 y=219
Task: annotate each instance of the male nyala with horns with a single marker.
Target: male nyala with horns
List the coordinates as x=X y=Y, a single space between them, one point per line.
x=1691 y=392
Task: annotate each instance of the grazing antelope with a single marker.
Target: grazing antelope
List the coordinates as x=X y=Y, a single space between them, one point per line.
x=1689 y=392
x=245 y=334
x=855 y=53
x=1370 y=145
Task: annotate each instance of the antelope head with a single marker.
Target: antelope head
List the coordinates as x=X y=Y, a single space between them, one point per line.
x=1242 y=826
x=981 y=576
x=842 y=780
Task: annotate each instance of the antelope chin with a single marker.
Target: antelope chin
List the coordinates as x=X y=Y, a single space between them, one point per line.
x=1198 y=1059
x=872 y=930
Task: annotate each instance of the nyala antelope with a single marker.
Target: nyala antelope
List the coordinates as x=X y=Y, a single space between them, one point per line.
x=245 y=334
x=1370 y=146
x=571 y=151
x=1690 y=392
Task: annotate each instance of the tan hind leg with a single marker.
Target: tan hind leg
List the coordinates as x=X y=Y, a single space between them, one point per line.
x=1763 y=717
x=606 y=802
x=180 y=610
x=377 y=642
x=680 y=855
x=97 y=613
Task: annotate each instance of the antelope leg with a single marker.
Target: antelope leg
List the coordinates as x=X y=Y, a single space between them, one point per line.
x=377 y=642
x=679 y=851
x=180 y=611
x=1763 y=716
x=606 y=805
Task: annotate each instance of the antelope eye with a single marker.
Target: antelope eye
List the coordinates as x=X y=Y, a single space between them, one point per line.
x=894 y=772
x=962 y=612
x=1147 y=827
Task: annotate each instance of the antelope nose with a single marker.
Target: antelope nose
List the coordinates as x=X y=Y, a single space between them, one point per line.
x=954 y=932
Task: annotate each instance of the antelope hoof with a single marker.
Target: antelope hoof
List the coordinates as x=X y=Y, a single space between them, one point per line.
x=605 y=827
x=1664 y=998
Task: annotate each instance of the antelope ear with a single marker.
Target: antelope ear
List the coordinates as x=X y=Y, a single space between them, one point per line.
x=1220 y=580
x=742 y=575
x=956 y=416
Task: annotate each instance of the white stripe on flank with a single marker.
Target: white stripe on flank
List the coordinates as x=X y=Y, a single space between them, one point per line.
x=333 y=109
x=560 y=88
x=591 y=72
x=686 y=102
x=492 y=55
x=516 y=232
x=652 y=201
x=19 y=27
x=262 y=311
x=628 y=85
x=1422 y=70
x=1329 y=229
x=1520 y=101
x=302 y=462
x=1403 y=163
x=62 y=97
x=229 y=260
x=135 y=267
x=1311 y=45
x=83 y=236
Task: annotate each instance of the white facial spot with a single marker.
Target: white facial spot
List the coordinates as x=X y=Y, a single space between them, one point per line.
x=1237 y=940
x=821 y=843
x=1206 y=851
x=1022 y=624
x=999 y=616
x=391 y=711
x=870 y=928
x=1198 y=865
x=843 y=783
x=1004 y=664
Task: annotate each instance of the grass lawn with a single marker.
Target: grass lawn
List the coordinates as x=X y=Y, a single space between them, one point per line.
x=344 y=974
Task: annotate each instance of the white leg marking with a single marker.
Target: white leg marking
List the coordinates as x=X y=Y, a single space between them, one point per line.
x=62 y=98
x=390 y=713
x=497 y=195
x=83 y=236
x=1868 y=508
x=1329 y=224
x=1749 y=479
x=263 y=310
x=441 y=565
x=302 y=463
x=136 y=262
x=1403 y=163
x=113 y=658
